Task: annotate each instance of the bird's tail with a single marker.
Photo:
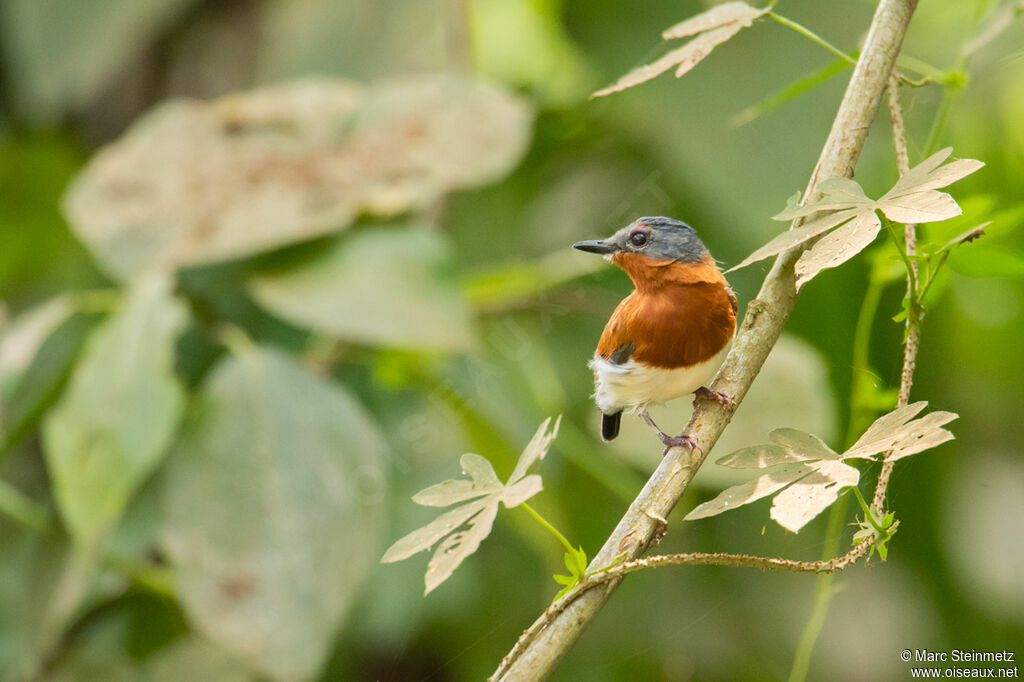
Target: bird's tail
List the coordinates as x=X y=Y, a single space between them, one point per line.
x=610 y=425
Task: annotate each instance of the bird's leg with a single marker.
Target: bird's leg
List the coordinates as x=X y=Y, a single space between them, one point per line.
x=682 y=440
x=705 y=393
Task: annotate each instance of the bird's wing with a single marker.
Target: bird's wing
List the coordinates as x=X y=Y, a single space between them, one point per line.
x=621 y=355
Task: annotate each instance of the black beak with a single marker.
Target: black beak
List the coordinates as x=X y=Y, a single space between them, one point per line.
x=595 y=246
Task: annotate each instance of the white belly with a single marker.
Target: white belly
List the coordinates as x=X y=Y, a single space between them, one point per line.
x=633 y=386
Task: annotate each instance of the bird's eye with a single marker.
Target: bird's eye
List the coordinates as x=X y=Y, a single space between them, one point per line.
x=638 y=238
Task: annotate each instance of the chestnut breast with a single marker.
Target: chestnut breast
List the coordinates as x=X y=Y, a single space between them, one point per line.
x=681 y=314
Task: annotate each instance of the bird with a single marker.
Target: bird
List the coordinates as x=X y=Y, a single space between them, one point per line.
x=667 y=338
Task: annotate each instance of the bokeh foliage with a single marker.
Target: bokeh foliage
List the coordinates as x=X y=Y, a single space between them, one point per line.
x=203 y=460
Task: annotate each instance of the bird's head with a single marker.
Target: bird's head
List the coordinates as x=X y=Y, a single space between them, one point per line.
x=661 y=239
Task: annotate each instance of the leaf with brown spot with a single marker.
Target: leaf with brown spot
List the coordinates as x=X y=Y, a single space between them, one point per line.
x=196 y=182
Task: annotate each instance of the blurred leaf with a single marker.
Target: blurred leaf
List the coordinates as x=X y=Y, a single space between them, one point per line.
x=116 y=419
x=912 y=199
x=273 y=499
x=506 y=285
x=987 y=260
x=715 y=26
x=455 y=545
x=21 y=338
x=198 y=182
x=810 y=475
x=60 y=54
x=524 y=43
x=41 y=382
x=378 y=287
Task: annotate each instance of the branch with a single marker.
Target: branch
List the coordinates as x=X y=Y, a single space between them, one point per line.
x=912 y=338
x=762 y=325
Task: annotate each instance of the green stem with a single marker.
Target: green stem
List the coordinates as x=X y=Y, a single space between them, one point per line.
x=22 y=508
x=808 y=33
x=823 y=591
x=931 y=275
x=867 y=511
x=861 y=351
x=941 y=116
x=544 y=522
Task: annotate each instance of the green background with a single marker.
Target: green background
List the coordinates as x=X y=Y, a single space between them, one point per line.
x=73 y=77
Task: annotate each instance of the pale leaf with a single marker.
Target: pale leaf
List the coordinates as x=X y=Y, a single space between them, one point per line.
x=808 y=497
x=424 y=538
x=796 y=236
x=833 y=194
x=920 y=207
x=838 y=247
x=535 y=449
x=522 y=490
x=644 y=73
x=456 y=547
x=701 y=46
x=919 y=173
x=719 y=15
x=481 y=471
x=757 y=457
x=713 y=32
x=802 y=445
x=447 y=493
x=762 y=486
x=922 y=434
x=946 y=175
x=882 y=429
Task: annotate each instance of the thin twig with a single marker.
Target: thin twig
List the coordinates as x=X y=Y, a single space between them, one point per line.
x=912 y=336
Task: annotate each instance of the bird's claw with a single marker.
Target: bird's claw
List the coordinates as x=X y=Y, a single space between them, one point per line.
x=705 y=393
x=681 y=441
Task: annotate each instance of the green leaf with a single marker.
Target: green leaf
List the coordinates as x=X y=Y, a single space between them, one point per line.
x=115 y=421
x=987 y=260
x=38 y=386
x=377 y=286
x=301 y=159
x=273 y=503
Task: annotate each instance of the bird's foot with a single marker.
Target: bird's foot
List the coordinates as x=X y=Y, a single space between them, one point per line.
x=681 y=441
x=705 y=393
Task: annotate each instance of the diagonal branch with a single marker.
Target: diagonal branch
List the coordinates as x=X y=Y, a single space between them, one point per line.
x=762 y=325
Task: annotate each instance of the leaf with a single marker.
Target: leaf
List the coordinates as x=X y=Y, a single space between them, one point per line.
x=201 y=182
x=714 y=27
x=812 y=475
x=457 y=542
x=987 y=260
x=790 y=238
x=115 y=420
x=837 y=247
x=912 y=199
x=273 y=501
x=38 y=385
x=751 y=491
x=719 y=15
x=806 y=498
x=897 y=431
x=379 y=286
